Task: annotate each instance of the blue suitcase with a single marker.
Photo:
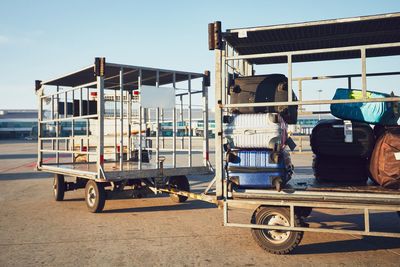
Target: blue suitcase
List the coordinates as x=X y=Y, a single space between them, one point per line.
x=383 y=113
x=256 y=169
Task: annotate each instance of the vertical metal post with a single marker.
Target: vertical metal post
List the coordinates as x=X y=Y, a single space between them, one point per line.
x=40 y=118
x=290 y=93
x=364 y=72
x=291 y=210
x=366 y=221
x=100 y=125
x=349 y=82
x=115 y=127
x=219 y=173
x=129 y=114
x=73 y=126
x=65 y=116
x=121 y=119
x=88 y=124
x=190 y=120
x=174 y=125
x=181 y=120
x=158 y=124
x=140 y=120
x=65 y=105
x=205 y=125
x=300 y=83
x=58 y=127
x=52 y=117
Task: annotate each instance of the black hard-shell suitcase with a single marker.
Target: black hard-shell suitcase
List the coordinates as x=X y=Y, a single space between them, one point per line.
x=340 y=169
x=328 y=139
x=263 y=88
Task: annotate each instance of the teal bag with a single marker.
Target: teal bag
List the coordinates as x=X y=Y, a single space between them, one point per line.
x=382 y=113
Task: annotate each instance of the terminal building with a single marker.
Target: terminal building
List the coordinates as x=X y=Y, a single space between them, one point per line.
x=18 y=123
x=22 y=124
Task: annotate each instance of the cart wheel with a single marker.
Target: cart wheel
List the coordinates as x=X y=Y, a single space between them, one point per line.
x=303 y=212
x=95 y=196
x=180 y=183
x=275 y=241
x=58 y=187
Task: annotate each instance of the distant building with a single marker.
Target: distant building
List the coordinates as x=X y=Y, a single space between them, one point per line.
x=18 y=123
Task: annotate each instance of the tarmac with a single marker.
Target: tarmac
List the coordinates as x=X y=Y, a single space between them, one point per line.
x=35 y=230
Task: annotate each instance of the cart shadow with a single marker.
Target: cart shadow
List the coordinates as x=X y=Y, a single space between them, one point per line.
x=24 y=176
x=18 y=156
x=191 y=205
x=353 y=222
x=343 y=246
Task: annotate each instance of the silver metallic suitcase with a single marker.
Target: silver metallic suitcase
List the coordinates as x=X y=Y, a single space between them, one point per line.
x=260 y=130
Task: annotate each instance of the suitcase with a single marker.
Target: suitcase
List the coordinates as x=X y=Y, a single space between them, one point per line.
x=328 y=139
x=263 y=88
x=384 y=164
x=383 y=113
x=259 y=169
x=340 y=169
x=261 y=130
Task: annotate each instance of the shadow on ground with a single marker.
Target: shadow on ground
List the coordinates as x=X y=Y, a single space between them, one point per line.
x=24 y=176
x=18 y=156
x=191 y=205
x=343 y=246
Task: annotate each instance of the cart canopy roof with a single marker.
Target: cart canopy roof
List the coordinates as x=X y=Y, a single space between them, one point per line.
x=130 y=77
x=336 y=33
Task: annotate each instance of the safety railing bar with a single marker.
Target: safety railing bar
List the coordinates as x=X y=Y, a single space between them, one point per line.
x=70 y=89
x=313 y=51
x=311 y=102
x=70 y=118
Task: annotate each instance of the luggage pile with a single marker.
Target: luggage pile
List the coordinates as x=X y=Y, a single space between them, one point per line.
x=349 y=150
x=257 y=136
x=341 y=150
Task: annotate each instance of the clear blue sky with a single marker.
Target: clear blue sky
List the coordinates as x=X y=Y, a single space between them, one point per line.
x=43 y=39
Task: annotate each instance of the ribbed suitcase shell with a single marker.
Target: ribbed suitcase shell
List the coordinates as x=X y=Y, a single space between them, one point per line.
x=327 y=139
x=255 y=159
x=383 y=113
x=256 y=131
x=256 y=169
x=340 y=169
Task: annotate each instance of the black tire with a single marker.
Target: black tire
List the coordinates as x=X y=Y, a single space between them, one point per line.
x=398 y=213
x=58 y=187
x=179 y=183
x=275 y=241
x=303 y=212
x=95 y=196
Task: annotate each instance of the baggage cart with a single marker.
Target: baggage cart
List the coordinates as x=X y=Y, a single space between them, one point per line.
x=276 y=218
x=101 y=125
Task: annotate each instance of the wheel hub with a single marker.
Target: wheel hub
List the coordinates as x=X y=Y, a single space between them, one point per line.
x=276 y=236
x=91 y=197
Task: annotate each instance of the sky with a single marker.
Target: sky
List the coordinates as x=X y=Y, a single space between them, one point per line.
x=40 y=40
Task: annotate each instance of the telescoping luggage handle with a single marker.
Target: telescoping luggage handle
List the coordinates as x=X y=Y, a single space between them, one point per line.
x=347 y=130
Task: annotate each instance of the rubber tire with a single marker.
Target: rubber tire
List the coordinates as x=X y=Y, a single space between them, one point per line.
x=100 y=198
x=58 y=187
x=288 y=245
x=180 y=183
x=303 y=212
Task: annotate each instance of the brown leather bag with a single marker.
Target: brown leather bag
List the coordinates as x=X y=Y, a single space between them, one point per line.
x=384 y=167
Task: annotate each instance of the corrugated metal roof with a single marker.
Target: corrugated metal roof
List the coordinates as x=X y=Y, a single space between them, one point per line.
x=131 y=73
x=358 y=31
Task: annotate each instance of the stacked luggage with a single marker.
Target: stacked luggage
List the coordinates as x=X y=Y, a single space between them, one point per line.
x=341 y=149
x=347 y=151
x=256 y=136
